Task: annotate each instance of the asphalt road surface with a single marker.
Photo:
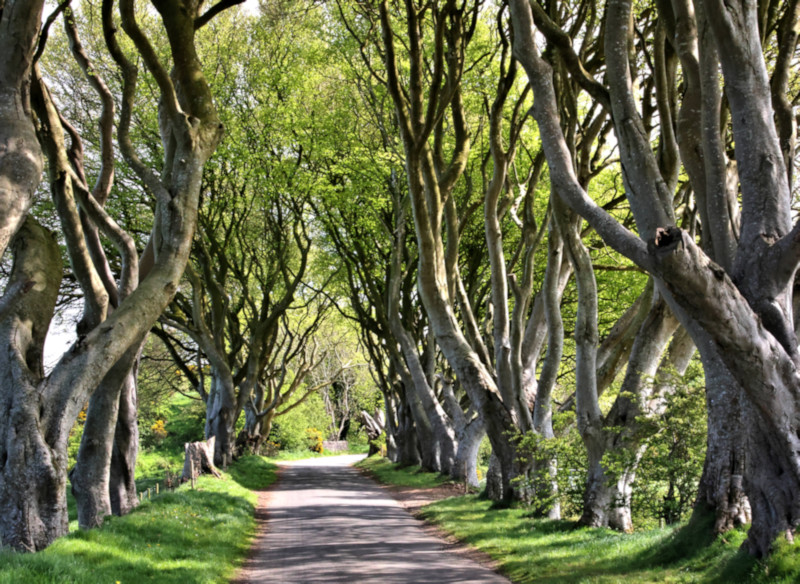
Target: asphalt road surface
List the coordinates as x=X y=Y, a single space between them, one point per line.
x=325 y=522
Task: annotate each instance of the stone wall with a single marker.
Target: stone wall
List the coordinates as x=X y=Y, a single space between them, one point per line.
x=334 y=445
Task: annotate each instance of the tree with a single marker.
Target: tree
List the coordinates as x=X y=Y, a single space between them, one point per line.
x=737 y=308
x=43 y=407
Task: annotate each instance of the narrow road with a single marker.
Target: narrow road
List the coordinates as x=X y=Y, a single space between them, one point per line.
x=325 y=522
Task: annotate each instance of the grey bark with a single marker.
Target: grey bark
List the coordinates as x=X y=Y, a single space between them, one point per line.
x=31 y=465
x=126 y=448
x=91 y=476
x=199 y=459
x=21 y=160
x=430 y=186
x=408 y=448
x=442 y=433
x=608 y=495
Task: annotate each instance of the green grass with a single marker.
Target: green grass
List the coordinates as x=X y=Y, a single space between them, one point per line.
x=191 y=535
x=531 y=550
x=410 y=476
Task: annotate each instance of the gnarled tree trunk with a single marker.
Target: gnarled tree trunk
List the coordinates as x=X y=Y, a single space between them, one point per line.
x=33 y=505
x=91 y=475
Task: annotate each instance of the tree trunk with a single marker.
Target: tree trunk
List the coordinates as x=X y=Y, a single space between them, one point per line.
x=33 y=504
x=390 y=407
x=103 y=477
x=408 y=451
x=220 y=412
x=126 y=447
x=199 y=459
x=721 y=489
x=33 y=486
x=465 y=465
x=42 y=410
x=21 y=160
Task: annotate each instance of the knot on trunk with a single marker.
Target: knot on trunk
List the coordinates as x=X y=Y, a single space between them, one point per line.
x=667 y=239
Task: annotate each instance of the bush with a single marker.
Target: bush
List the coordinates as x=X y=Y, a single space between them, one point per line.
x=314 y=440
x=289 y=430
x=668 y=475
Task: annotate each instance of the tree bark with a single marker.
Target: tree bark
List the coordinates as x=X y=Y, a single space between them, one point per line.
x=721 y=489
x=33 y=504
x=608 y=496
x=91 y=475
x=746 y=311
x=21 y=161
x=199 y=459
x=126 y=447
x=220 y=415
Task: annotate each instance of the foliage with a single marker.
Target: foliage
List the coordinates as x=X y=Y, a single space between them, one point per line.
x=484 y=452
x=185 y=422
x=314 y=440
x=289 y=430
x=75 y=436
x=379 y=444
x=159 y=389
x=673 y=462
x=187 y=536
x=158 y=431
x=154 y=464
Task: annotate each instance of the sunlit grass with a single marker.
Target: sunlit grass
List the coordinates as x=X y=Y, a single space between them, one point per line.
x=410 y=476
x=191 y=535
x=530 y=550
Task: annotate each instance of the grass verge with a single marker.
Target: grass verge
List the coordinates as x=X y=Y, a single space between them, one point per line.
x=190 y=535
x=411 y=476
x=529 y=550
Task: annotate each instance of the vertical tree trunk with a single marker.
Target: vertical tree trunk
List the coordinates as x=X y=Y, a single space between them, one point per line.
x=33 y=504
x=392 y=426
x=126 y=447
x=408 y=450
x=220 y=412
x=721 y=489
x=33 y=486
x=21 y=160
x=465 y=465
x=91 y=477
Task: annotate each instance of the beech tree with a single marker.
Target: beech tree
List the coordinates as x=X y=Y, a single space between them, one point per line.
x=42 y=408
x=734 y=298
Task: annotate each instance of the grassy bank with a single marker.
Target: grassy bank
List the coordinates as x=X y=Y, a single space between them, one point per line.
x=411 y=476
x=531 y=550
x=190 y=535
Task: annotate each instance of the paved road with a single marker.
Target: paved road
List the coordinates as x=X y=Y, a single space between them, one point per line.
x=325 y=522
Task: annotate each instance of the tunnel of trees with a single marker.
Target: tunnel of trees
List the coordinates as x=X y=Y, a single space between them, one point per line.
x=555 y=237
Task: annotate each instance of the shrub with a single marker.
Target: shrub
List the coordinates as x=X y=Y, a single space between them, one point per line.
x=314 y=440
